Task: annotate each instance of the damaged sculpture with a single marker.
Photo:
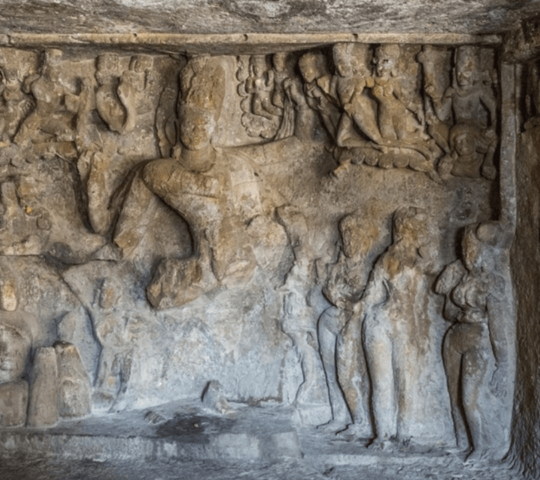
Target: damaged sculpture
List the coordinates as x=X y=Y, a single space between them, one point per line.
x=269 y=229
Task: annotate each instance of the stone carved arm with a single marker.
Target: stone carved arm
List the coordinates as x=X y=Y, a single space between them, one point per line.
x=441 y=105
x=334 y=286
x=488 y=100
x=270 y=81
x=416 y=108
x=447 y=281
x=497 y=331
x=28 y=81
x=377 y=291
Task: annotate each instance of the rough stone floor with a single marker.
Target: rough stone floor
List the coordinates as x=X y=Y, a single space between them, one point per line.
x=184 y=442
x=27 y=469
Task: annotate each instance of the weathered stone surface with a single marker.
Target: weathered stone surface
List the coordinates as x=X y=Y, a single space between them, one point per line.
x=525 y=259
x=323 y=229
x=43 y=400
x=74 y=389
x=13 y=403
x=206 y=16
x=213 y=398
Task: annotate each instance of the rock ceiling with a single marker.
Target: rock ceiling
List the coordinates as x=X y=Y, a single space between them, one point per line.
x=272 y=16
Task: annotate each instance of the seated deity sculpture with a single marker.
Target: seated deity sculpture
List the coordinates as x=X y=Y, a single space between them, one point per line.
x=471 y=153
x=50 y=116
x=197 y=185
x=469 y=102
x=260 y=85
x=401 y=122
x=16 y=104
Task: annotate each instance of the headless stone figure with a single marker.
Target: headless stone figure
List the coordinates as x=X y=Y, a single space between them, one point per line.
x=16 y=337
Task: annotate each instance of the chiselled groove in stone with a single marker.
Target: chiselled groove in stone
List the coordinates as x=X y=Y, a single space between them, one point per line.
x=231 y=41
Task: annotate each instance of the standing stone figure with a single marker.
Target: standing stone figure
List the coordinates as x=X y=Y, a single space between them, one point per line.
x=350 y=82
x=395 y=328
x=299 y=319
x=115 y=332
x=317 y=86
x=288 y=95
x=16 y=337
x=339 y=329
x=476 y=346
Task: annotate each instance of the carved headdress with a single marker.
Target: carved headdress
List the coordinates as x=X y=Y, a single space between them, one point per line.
x=202 y=84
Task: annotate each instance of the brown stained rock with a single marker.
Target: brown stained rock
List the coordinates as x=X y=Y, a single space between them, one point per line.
x=43 y=408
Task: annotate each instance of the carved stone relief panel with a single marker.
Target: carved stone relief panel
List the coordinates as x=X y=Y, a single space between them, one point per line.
x=315 y=228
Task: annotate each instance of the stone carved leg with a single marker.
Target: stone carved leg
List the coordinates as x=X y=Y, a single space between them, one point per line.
x=330 y=324
x=379 y=354
x=452 y=365
x=106 y=384
x=308 y=393
x=475 y=368
x=354 y=379
x=137 y=212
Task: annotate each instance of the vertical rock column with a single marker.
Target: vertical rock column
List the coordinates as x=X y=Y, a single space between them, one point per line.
x=43 y=403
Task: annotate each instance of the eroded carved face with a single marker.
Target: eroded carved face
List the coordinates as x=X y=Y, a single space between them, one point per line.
x=141 y=63
x=411 y=227
x=52 y=64
x=357 y=235
x=14 y=349
x=343 y=64
x=8 y=297
x=385 y=61
x=465 y=69
x=107 y=68
x=196 y=129
x=465 y=144
x=258 y=65
x=342 y=60
x=280 y=61
x=312 y=66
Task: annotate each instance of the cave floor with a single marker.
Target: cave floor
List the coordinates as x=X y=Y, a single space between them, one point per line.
x=183 y=441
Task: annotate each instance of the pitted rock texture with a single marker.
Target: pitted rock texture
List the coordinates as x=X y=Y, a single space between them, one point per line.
x=229 y=16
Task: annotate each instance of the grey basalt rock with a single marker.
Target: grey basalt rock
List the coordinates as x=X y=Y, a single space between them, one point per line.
x=13 y=403
x=43 y=408
x=74 y=389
